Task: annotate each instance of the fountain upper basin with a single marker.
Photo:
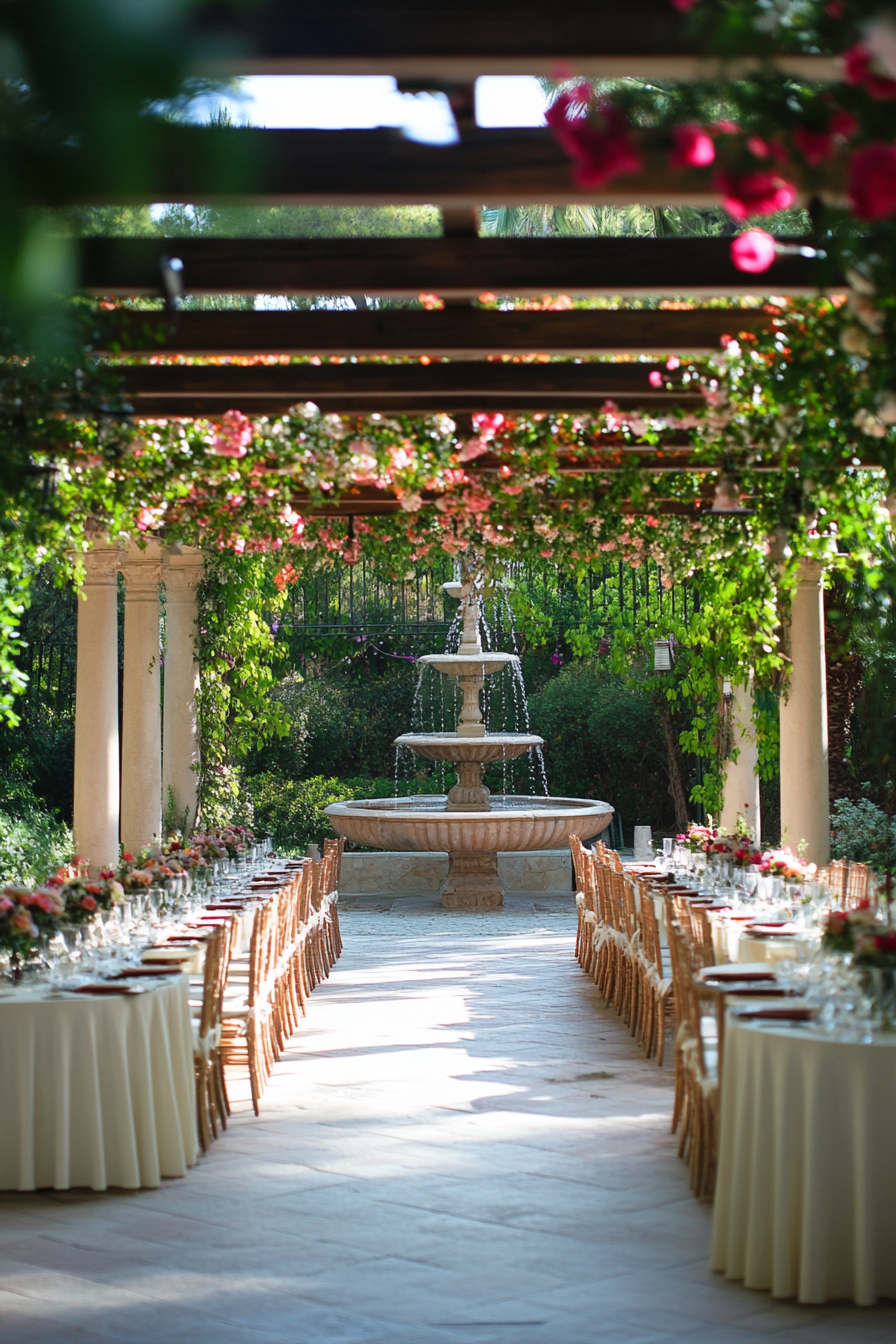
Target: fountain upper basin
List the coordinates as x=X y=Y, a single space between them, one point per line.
x=469 y=664
x=456 y=749
x=515 y=822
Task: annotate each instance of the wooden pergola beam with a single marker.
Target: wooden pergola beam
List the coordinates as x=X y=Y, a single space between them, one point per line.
x=440 y=42
x=199 y=389
x=455 y=267
x=452 y=332
x=201 y=164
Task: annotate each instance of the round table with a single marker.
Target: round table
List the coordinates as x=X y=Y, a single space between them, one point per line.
x=806 y=1184
x=96 y=1091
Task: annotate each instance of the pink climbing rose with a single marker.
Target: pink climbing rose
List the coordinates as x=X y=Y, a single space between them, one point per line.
x=753 y=251
x=602 y=148
x=692 y=147
x=872 y=181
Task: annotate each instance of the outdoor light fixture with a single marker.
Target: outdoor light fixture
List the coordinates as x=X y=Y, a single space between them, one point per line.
x=727 y=689
x=172 y=280
x=663 y=661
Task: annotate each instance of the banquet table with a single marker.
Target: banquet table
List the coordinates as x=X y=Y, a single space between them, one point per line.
x=97 y=1091
x=806 y=1184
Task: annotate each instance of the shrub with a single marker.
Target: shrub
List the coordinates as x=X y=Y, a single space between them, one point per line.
x=292 y=810
x=33 y=843
x=863 y=833
x=603 y=739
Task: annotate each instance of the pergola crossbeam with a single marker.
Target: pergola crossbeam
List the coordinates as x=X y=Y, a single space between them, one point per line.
x=455 y=267
x=441 y=43
x=453 y=332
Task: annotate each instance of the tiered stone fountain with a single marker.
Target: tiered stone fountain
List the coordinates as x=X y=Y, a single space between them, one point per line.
x=469 y=823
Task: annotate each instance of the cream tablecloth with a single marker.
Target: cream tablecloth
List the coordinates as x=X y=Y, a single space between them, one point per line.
x=96 y=1092
x=806 y=1191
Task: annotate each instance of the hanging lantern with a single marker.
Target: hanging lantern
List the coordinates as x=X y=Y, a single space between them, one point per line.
x=663 y=660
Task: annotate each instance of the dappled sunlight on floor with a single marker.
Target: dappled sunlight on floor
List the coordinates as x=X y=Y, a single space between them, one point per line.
x=460 y=1143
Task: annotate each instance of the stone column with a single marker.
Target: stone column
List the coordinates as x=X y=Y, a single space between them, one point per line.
x=180 y=731
x=741 y=783
x=805 y=805
x=96 y=710
x=141 y=728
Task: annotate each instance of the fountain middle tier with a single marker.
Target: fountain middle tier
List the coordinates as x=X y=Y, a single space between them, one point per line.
x=469 y=754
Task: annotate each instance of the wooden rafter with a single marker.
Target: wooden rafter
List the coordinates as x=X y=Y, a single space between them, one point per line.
x=456 y=267
x=437 y=42
x=463 y=385
x=453 y=332
x=198 y=164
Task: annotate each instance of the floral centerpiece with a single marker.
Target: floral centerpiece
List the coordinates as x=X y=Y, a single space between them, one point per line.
x=875 y=949
x=783 y=863
x=842 y=927
x=25 y=915
x=132 y=873
x=698 y=839
x=83 y=898
x=209 y=845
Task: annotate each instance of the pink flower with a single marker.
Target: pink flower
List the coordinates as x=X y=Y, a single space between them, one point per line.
x=753 y=251
x=693 y=148
x=860 y=69
x=473 y=448
x=872 y=181
x=655 y=378
x=146 y=520
x=22 y=922
x=599 y=152
x=760 y=193
x=5 y=904
x=683 y=5
x=234 y=437
x=486 y=425
x=477 y=501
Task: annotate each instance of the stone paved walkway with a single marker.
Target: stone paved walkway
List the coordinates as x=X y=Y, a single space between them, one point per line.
x=460 y=1145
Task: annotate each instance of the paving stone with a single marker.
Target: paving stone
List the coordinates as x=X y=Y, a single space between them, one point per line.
x=461 y=1143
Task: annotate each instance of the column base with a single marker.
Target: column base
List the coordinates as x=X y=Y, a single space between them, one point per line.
x=473 y=882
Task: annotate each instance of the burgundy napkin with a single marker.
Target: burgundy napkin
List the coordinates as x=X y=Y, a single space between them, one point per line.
x=781 y=1014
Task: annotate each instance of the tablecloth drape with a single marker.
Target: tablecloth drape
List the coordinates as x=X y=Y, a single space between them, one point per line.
x=806 y=1188
x=96 y=1092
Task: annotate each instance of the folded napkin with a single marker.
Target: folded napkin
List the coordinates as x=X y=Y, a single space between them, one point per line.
x=796 y=1013
x=105 y=987
x=749 y=990
x=732 y=973
x=772 y=930
x=147 y=971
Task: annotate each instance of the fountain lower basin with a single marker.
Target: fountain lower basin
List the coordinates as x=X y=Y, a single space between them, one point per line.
x=472 y=839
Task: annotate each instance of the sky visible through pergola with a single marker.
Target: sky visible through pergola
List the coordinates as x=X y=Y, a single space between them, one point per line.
x=341 y=102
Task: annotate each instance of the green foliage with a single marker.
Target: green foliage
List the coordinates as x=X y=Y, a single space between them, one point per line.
x=863 y=833
x=33 y=843
x=292 y=810
x=603 y=739
x=238 y=602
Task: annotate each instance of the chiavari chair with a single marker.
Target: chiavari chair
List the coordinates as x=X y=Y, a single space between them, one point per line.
x=657 y=983
x=697 y=1068
x=577 y=850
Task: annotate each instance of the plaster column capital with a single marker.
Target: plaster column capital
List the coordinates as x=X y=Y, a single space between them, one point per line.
x=141 y=570
x=810 y=573
x=101 y=563
x=182 y=572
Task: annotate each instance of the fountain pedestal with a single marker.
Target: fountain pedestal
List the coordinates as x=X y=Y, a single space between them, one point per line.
x=473 y=882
